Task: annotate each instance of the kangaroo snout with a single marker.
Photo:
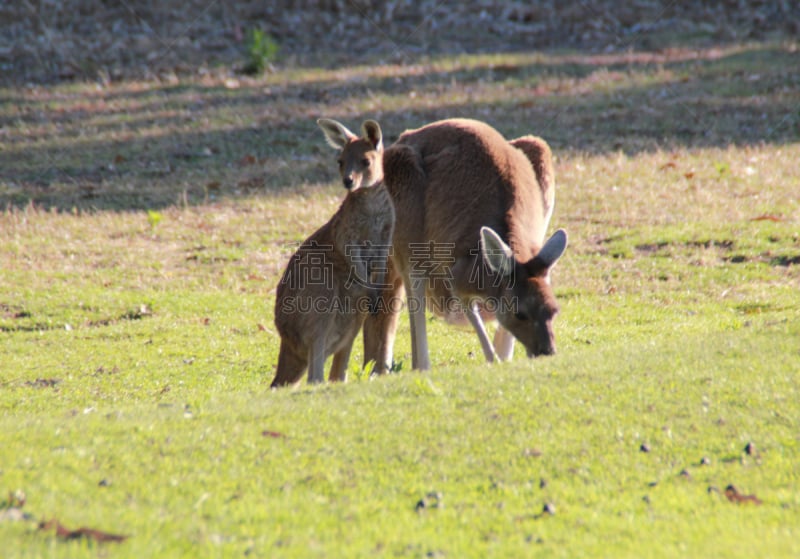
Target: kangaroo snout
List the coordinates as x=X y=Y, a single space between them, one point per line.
x=544 y=349
x=348 y=182
x=544 y=344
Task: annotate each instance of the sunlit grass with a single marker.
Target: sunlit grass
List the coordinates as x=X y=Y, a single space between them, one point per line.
x=136 y=352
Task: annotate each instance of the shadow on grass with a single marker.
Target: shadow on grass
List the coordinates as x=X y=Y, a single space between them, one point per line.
x=145 y=146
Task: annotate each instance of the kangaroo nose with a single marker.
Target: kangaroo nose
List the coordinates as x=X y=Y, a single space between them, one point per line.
x=348 y=182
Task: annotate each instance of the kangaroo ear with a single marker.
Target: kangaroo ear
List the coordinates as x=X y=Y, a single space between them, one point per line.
x=371 y=131
x=553 y=248
x=496 y=253
x=336 y=134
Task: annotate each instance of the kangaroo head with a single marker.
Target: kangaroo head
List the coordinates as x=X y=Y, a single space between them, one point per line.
x=360 y=159
x=527 y=305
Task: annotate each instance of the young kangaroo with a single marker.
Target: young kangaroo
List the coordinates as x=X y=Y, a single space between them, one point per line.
x=334 y=279
x=472 y=213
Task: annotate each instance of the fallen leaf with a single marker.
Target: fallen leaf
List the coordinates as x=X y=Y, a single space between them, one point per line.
x=272 y=434
x=768 y=217
x=262 y=328
x=689 y=175
x=119 y=159
x=43 y=382
x=248 y=159
x=734 y=496
x=668 y=165
x=83 y=532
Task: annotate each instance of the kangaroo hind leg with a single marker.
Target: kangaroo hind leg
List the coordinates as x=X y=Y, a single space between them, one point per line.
x=380 y=326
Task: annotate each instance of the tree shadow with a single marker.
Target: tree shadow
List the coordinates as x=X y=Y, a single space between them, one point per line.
x=145 y=146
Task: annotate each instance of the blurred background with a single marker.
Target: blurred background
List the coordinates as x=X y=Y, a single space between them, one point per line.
x=43 y=41
x=144 y=104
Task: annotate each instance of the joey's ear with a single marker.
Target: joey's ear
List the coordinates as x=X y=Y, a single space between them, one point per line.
x=553 y=248
x=371 y=131
x=336 y=133
x=496 y=253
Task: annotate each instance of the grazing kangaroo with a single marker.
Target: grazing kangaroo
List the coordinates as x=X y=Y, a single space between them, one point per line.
x=334 y=279
x=472 y=213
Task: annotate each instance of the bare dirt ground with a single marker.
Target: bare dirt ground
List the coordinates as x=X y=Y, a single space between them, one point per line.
x=45 y=41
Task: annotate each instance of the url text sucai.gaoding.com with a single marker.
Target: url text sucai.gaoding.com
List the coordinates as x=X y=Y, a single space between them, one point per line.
x=373 y=305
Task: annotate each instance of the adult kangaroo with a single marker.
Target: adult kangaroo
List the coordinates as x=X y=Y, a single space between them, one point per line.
x=472 y=212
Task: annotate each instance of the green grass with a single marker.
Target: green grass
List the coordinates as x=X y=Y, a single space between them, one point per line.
x=136 y=353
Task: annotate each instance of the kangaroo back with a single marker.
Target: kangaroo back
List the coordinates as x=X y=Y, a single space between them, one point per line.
x=472 y=172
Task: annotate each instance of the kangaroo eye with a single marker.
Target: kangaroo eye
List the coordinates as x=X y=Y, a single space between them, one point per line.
x=365 y=162
x=520 y=316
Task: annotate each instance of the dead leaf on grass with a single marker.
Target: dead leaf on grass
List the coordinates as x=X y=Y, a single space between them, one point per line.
x=734 y=496
x=273 y=434
x=248 y=159
x=81 y=533
x=768 y=217
x=43 y=382
x=689 y=175
x=668 y=165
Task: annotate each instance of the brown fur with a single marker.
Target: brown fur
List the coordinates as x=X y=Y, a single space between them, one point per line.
x=333 y=280
x=448 y=180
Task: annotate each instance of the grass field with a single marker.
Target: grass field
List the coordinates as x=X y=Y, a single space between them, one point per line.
x=145 y=226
